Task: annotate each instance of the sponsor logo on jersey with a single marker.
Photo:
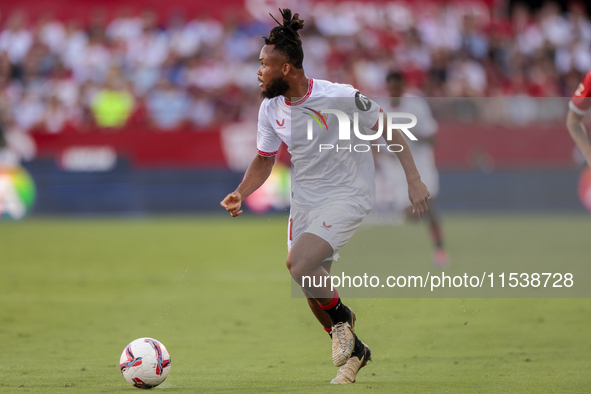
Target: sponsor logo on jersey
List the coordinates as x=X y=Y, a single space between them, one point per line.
x=362 y=102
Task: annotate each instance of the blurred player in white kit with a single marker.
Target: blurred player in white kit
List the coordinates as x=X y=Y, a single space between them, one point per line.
x=422 y=152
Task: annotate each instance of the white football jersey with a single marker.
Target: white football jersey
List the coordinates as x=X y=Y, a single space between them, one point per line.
x=324 y=176
x=426 y=126
x=422 y=153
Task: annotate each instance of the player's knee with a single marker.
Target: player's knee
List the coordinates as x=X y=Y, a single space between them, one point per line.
x=297 y=270
x=288 y=262
x=301 y=272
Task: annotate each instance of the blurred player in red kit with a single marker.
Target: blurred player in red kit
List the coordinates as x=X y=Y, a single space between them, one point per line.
x=578 y=106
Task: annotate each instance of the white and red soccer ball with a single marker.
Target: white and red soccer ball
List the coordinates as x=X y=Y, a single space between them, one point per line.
x=145 y=363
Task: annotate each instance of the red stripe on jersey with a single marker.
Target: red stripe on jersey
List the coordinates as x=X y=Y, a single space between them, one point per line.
x=266 y=154
x=308 y=93
x=581 y=100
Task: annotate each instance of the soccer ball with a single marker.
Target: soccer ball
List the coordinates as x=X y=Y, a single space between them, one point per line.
x=145 y=363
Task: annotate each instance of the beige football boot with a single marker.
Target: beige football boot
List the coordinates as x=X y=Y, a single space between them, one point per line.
x=343 y=340
x=348 y=372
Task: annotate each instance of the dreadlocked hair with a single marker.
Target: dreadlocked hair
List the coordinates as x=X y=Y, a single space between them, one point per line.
x=286 y=39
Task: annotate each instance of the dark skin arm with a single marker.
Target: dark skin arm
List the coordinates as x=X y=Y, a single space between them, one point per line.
x=256 y=174
x=417 y=191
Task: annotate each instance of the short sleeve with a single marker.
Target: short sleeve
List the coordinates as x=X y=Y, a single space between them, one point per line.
x=367 y=110
x=267 y=140
x=581 y=100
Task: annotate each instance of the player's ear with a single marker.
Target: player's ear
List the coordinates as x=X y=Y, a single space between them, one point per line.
x=285 y=69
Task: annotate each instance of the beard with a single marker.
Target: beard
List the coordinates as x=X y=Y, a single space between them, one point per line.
x=277 y=87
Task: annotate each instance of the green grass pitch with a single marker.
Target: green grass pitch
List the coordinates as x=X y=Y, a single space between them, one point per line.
x=215 y=291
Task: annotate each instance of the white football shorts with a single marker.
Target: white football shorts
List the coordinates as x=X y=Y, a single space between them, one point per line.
x=335 y=223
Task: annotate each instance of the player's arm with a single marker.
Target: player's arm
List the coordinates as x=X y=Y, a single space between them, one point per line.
x=256 y=174
x=259 y=170
x=576 y=128
x=417 y=191
x=431 y=139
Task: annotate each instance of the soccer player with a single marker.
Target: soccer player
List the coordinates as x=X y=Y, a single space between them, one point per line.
x=578 y=105
x=332 y=191
x=422 y=151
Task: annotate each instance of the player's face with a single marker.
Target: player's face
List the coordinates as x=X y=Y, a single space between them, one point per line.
x=270 y=74
x=395 y=88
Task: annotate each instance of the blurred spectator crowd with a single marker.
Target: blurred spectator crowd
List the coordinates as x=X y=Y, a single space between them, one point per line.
x=170 y=72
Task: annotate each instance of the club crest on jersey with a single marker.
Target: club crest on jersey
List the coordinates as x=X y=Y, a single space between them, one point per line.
x=317 y=116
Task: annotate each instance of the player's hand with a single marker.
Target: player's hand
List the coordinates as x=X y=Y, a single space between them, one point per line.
x=419 y=196
x=232 y=203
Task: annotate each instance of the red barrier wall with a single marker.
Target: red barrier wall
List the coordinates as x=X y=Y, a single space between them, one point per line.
x=460 y=146
x=535 y=146
x=145 y=149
